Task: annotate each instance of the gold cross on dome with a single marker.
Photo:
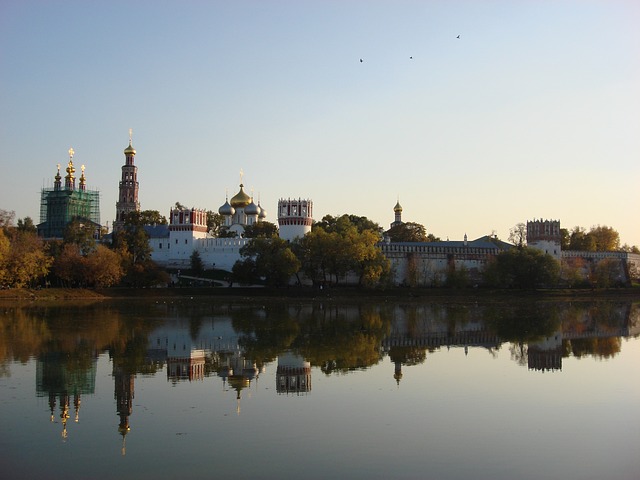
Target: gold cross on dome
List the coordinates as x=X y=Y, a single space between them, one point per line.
x=241 y=175
x=71 y=152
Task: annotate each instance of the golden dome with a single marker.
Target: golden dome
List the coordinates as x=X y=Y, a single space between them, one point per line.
x=130 y=150
x=241 y=199
x=397 y=208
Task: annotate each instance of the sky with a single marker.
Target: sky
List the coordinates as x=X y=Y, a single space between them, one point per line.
x=532 y=113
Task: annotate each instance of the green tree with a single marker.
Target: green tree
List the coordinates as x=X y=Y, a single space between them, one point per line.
x=152 y=217
x=261 y=230
x=215 y=222
x=273 y=259
x=82 y=233
x=26 y=225
x=407 y=232
x=524 y=268
x=337 y=247
x=196 y=263
x=340 y=224
x=581 y=241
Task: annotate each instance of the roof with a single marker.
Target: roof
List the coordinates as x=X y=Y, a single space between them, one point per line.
x=157 y=231
x=487 y=242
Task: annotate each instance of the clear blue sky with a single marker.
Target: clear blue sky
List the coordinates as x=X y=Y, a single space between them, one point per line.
x=534 y=112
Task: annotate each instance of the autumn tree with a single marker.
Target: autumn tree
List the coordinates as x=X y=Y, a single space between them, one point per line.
x=26 y=262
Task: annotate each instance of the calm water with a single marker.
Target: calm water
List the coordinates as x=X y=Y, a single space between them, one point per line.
x=534 y=390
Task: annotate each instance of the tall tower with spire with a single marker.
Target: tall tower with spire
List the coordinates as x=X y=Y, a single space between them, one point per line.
x=128 y=195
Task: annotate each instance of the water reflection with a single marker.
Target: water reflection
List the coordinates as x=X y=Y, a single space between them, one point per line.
x=234 y=343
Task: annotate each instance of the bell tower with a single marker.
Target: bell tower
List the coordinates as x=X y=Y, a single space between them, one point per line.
x=128 y=195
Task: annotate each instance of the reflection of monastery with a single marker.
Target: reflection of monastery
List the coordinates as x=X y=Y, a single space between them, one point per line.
x=432 y=330
x=61 y=379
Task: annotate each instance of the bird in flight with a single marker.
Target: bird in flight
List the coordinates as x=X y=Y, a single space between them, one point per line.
x=410 y=58
x=458 y=36
x=360 y=60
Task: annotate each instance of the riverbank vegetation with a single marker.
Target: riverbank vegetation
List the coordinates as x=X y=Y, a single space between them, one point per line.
x=339 y=252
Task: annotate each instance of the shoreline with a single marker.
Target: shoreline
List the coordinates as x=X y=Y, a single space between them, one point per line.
x=297 y=293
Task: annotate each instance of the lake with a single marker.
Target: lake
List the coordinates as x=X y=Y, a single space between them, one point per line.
x=250 y=388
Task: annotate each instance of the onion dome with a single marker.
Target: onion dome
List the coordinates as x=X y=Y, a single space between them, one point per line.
x=130 y=150
x=252 y=209
x=226 y=209
x=263 y=212
x=240 y=199
x=397 y=208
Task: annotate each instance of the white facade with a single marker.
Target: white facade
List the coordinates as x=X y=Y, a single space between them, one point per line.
x=172 y=245
x=295 y=218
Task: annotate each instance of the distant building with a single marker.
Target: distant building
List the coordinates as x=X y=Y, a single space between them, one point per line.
x=128 y=188
x=62 y=204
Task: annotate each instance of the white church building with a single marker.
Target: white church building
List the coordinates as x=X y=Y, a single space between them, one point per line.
x=173 y=244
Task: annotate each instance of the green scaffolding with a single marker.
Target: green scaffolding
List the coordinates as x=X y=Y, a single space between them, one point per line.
x=58 y=207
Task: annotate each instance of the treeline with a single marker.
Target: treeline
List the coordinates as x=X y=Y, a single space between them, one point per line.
x=78 y=260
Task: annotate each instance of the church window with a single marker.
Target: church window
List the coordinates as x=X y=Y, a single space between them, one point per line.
x=160 y=246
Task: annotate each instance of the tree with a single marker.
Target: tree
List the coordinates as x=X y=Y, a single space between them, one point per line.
x=103 y=268
x=68 y=265
x=27 y=260
x=196 y=263
x=518 y=235
x=6 y=218
x=215 y=222
x=81 y=233
x=152 y=217
x=269 y=258
x=525 y=268
x=340 y=224
x=26 y=225
x=606 y=239
x=407 y=232
x=261 y=230
x=580 y=241
x=337 y=247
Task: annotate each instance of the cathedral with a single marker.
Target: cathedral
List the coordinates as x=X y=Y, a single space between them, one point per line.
x=67 y=202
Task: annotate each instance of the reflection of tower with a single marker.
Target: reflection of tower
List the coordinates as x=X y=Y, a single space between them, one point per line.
x=295 y=218
x=188 y=366
x=293 y=374
x=124 y=394
x=545 y=355
x=397 y=374
x=239 y=372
